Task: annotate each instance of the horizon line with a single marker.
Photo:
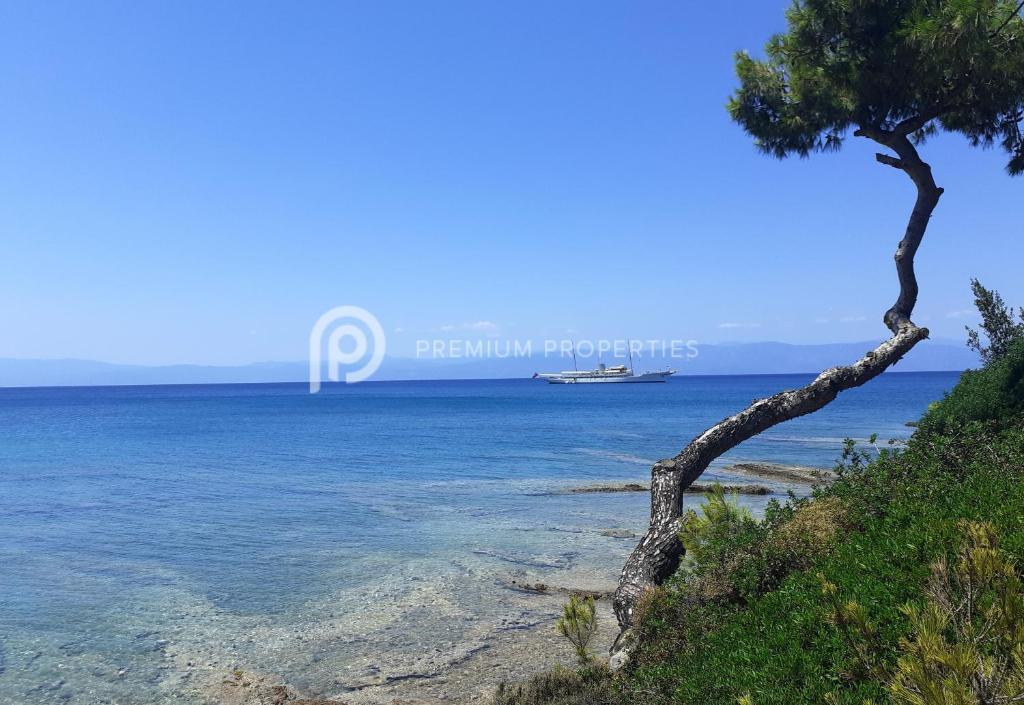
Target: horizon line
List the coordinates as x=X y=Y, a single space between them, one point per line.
x=674 y=380
x=414 y=358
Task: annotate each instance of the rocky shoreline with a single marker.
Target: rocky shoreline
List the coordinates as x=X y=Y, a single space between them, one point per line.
x=508 y=654
x=511 y=649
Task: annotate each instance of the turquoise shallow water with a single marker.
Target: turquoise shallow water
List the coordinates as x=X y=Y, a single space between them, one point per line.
x=145 y=531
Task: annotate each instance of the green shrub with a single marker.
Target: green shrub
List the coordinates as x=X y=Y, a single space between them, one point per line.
x=719 y=518
x=990 y=394
x=578 y=624
x=733 y=558
x=811 y=532
x=717 y=540
x=997 y=324
x=967 y=641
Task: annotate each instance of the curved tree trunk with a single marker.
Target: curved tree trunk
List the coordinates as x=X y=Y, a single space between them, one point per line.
x=658 y=554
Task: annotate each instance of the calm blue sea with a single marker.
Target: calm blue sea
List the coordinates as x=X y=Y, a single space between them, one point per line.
x=148 y=533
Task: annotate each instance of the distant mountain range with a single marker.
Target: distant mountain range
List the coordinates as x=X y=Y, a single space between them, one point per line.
x=723 y=359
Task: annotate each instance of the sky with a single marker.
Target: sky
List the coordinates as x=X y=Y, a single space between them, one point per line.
x=197 y=182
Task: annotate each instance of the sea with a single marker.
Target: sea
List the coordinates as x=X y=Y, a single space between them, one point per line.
x=154 y=538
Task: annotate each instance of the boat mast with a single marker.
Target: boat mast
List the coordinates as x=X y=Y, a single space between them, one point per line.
x=573 y=343
x=629 y=345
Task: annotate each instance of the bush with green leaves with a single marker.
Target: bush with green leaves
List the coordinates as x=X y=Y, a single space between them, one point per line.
x=719 y=517
x=989 y=395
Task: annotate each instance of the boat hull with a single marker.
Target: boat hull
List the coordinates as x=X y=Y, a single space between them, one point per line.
x=647 y=377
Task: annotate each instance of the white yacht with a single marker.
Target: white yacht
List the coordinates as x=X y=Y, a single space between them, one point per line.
x=603 y=373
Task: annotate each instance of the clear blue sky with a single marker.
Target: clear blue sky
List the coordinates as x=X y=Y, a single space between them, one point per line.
x=197 y=182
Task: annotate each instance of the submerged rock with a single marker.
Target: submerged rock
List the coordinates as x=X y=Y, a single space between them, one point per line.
x=529 y=587
x=700 y=487
x=781 y=473
x=545 y=589
x=704 y=487
x=627 y=487
x=620 y=534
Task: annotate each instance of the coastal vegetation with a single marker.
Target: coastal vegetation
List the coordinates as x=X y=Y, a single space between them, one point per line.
x=578 y=625
x=898 y=582
x=895 y=73
x=998 y=326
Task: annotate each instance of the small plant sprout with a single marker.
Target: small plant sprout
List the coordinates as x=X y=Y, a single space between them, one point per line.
x=578 y=624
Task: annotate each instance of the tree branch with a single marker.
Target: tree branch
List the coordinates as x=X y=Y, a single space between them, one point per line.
x=913 y=124
x=877 y=134
x=928 y=194
x=890 y=161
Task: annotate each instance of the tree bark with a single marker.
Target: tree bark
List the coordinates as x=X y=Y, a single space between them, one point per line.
x=657 y=555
